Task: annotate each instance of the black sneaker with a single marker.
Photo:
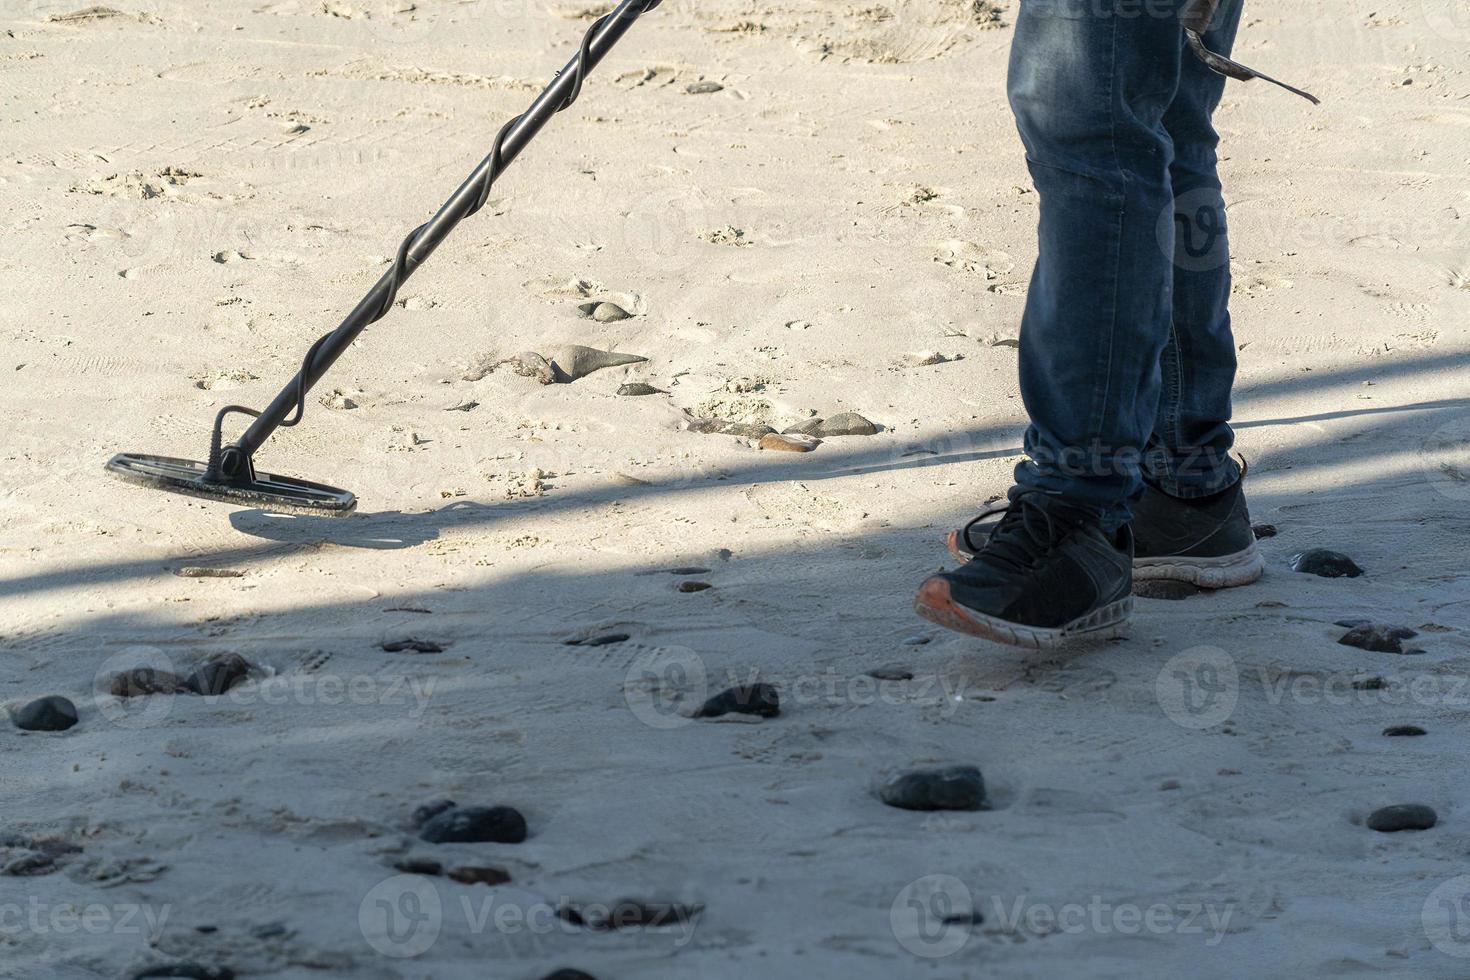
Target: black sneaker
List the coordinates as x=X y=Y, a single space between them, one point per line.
x=1045 y=573
x=1206 y=543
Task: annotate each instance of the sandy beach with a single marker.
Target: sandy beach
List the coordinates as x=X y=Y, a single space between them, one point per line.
x=804 y=209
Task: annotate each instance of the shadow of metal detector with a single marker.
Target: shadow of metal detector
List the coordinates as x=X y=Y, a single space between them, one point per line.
x=229 y=475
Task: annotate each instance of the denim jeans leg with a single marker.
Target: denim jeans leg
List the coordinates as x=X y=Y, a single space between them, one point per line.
x=1189 y=451
x=1090 y=82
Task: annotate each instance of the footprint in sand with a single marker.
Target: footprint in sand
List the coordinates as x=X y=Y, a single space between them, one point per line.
x=973 y=259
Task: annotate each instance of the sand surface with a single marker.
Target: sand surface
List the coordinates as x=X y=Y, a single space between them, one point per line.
x=191 y=193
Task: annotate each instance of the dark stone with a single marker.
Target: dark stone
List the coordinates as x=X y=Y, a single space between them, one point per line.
x=143 y=681
x=894 y=672
x=218 y=674
x=568 y=974
x=692 y=586
x=472 y=875
x=1370 y=684
x=599 y=641
x=1328 y=564
x=189 y=971
x=414 y=865
x=1377 y=638
x=806 y=427
x=1163 y=588
x=950 y=788
x=743 y=699
x=476 y=824
x=629 y=914
x=1402 y=816
x=428 y=810
x=413 y=644
x=1263 y=531
x=48 y=714
x=1402 y=731
x=703 y=88
x=635 y=388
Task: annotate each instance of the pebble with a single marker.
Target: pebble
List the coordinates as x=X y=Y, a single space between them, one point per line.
x=847 y=424
x=1328 y=564
x=703 y=88
x=894 y=672
x=419 y=866
x=917 y=640
x=218 y=674
x=412 y=644
x=609 y=313
x=789 y=444
x=473 y=824
x=1263 y=531
x=1377 y=637
x=721 y=427
x=743 y=699
x=1163 y=588
x=48 y=714
x=806 y=427
x=428 y=810
x=1402 y=816
x=692 y=586
x=1403 y=731
x=476 y=875
x=143 y=681
x=568 y=974
x=188 y=971
x=1370 y=684
x=598 y=641
x=949 y=788
x=635 y=388
x=573 y=362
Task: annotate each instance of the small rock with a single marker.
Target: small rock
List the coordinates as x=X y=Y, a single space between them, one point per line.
x=476 y=875
x=916 y=641
x=1263 y=531
x=1005 y=342
x=806 y=427
x=29 y=865
x=789 y=444
x=187 y=971
x=1163 y=588
x=744 y=699
x=721 y=427
x=635 y=388
x=218 y=674
x=692 y=586
x=1169 y=784
x=414 y=865
x=1377 y=637
x=1404 y=731
x=48 y=714
x=428 y=810
x=1402 y=816
x=412 y=644
x=846 y=424
x=143 y=681
x=609 y=313
x=1370 y=684
x=703 y=88
x=950 y=788
x=1328 y=564
x=574 y=361
x=473 y=824
x=894 y=672
x=568 y=974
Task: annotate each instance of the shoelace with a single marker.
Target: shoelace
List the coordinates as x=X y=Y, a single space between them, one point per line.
x=1025 y=533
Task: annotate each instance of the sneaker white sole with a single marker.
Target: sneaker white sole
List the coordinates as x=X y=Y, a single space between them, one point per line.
x=1101 y=624
x=1227 y=571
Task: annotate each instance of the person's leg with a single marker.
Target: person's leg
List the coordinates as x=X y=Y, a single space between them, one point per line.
x=1189 y=451
x=1090 y=84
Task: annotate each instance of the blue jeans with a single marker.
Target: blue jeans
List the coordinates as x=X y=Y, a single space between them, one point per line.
x=1127 y=359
